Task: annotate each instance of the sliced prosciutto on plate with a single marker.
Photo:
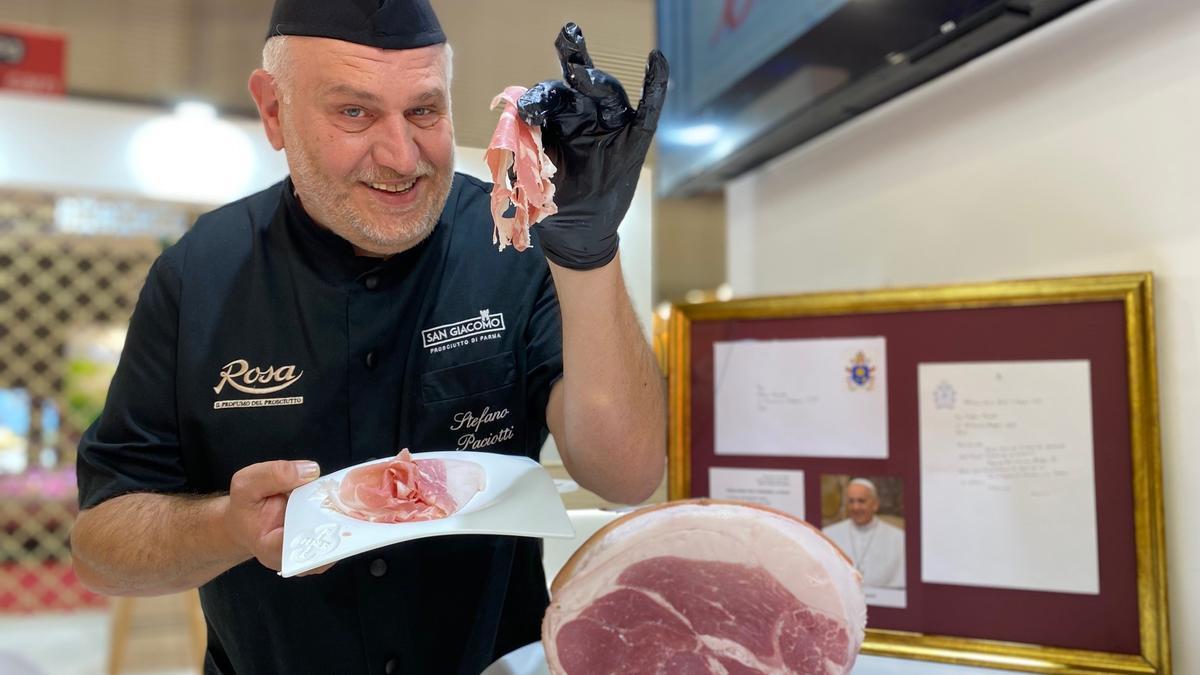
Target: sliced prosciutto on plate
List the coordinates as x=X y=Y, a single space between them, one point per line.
x=406 y=489
x=521 y=172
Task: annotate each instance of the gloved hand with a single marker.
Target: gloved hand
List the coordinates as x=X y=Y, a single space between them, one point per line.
x=598 y=143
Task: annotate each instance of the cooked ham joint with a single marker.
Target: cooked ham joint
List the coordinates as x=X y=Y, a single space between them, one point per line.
x=706 y=587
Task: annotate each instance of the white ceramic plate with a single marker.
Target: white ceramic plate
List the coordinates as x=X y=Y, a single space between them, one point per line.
x=519 y=498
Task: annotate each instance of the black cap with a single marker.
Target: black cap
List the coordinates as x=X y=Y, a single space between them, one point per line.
x=387 y=24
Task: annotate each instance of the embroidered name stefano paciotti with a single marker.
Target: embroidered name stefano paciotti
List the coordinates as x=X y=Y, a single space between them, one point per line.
x=257 y=382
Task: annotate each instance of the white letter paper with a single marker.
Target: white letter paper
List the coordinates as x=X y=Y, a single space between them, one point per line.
x=1008 y=497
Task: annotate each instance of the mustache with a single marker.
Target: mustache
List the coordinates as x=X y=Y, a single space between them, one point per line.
x=383 y=175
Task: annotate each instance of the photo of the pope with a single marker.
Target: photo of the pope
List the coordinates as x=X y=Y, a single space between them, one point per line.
x=864 y=516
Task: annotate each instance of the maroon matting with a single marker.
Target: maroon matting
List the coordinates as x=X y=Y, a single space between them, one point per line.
x=1094 y=331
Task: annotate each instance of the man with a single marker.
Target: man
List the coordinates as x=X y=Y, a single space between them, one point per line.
x=357 y=308
x=876 y=548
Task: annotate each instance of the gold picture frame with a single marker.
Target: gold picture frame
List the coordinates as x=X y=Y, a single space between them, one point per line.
x=1135 y=292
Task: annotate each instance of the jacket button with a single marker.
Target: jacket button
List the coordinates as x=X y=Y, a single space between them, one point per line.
x=390 y=667
x=378 y=567
x=371 y=282
x=370 y=360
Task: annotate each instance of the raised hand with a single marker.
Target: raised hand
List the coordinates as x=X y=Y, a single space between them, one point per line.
x=599 y=142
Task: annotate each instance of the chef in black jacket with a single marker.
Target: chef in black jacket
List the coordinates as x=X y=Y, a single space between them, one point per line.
x=357 y=308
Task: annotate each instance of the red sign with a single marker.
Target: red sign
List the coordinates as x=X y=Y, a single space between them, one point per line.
x=733 y=15
x=32 y=60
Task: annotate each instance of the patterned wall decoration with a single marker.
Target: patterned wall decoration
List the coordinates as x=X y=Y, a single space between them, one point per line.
x=71 y=268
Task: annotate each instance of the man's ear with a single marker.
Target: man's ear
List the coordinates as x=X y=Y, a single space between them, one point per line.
x=266 y=98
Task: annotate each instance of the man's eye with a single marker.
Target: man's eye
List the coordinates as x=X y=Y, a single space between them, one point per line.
x=421 y=112
x=354 y=113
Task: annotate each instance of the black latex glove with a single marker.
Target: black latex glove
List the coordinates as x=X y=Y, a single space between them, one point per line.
x=598 y=143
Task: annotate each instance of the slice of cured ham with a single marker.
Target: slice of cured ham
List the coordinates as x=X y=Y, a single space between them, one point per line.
x=406 y=489
x=705 y=586
x=521 y=172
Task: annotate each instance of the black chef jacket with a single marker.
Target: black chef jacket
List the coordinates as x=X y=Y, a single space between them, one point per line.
x=261 y=336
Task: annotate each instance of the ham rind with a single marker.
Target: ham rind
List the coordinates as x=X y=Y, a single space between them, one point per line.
x=705 y=586
x=406 y=490
x=517 y=146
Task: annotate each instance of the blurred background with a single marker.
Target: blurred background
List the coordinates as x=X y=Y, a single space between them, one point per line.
x=120 y=122
x=807 y=145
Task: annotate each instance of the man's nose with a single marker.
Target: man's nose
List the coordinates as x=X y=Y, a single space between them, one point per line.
x=395 y=147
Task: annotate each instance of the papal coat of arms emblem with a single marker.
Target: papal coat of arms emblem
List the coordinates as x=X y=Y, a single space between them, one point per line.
x=860 y=374
x=944 y=396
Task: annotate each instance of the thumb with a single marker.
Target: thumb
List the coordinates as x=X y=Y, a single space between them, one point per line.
x=266 y=479
x=543 y=102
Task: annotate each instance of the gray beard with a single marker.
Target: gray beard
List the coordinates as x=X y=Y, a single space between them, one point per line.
x=340 y=212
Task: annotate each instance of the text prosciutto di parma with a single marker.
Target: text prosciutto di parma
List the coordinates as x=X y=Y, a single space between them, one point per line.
x=406 y=489
x=521 y=172
x=705 y=586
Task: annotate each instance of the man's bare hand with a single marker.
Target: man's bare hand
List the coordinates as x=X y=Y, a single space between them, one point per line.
x=258 y=497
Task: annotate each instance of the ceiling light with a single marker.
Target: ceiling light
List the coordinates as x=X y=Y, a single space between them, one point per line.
x=192 y=156
x=700 y=134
